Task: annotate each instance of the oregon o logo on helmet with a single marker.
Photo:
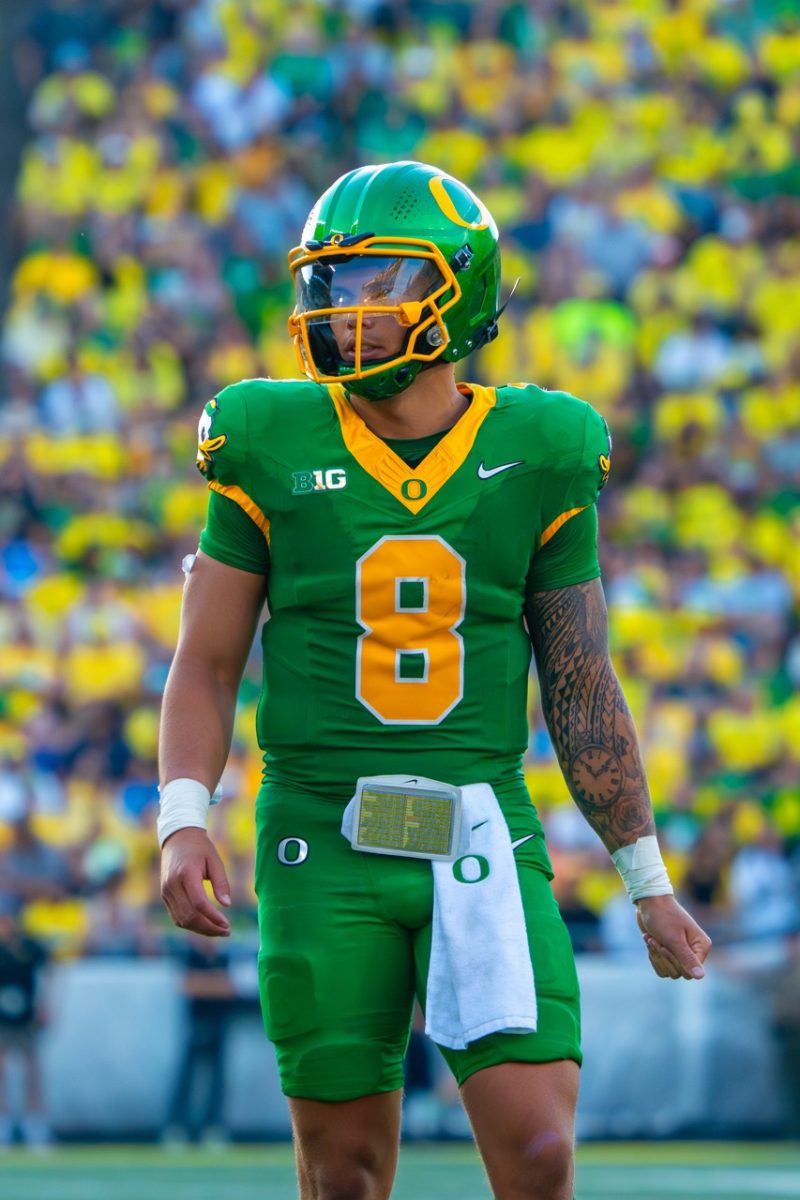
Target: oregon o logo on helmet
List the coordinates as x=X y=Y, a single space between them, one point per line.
x=447 y=205
x=471 y=868
x=292 y=851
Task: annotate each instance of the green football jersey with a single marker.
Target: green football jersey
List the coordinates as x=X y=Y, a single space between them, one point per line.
x=396 y=641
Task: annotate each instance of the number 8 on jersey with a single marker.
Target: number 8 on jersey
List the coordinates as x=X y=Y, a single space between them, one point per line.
x=410 y=596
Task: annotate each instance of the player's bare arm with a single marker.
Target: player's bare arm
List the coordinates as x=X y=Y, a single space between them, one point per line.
x=220 y=610
x=595 y=740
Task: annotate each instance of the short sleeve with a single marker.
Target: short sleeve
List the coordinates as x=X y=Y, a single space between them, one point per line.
x=566 y=552
x=569 y=557
x=233 y=537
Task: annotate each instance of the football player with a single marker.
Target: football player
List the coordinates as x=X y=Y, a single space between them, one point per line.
x=416 y=539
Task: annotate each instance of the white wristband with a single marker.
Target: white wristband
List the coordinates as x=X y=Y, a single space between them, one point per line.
x=184 y=805
x=642 y=869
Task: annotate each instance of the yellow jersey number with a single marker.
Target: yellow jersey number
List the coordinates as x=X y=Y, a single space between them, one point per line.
x=410 y=596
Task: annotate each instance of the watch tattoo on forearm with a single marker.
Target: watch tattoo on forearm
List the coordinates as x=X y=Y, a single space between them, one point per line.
x=588 y=717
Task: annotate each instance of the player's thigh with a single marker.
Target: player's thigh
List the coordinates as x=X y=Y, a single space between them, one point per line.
x=557 y=1034
x=523 y=1117
x=336 y=977
x=521 y=1090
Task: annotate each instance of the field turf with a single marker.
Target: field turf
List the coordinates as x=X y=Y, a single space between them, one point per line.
x=661 y=1171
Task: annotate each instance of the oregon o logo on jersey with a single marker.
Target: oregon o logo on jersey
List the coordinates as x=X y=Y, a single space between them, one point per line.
x=414 y=489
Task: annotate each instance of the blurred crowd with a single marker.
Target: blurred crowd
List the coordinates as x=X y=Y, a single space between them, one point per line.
x=641 y=160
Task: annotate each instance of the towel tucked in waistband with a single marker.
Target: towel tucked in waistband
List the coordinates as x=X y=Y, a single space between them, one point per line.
x=480 y=978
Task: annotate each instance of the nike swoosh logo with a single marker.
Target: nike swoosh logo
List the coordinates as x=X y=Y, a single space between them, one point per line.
x=518 y=842
x=487 y=472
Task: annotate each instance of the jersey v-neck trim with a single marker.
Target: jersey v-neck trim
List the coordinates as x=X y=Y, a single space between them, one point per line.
x=414 y=450
x=413 y=487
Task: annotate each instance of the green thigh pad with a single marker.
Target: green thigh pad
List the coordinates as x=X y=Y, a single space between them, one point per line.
x=345 y=942
x=336 y=960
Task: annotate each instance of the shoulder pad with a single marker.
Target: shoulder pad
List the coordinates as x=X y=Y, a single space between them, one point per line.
x=237 y=415
x=572 y=438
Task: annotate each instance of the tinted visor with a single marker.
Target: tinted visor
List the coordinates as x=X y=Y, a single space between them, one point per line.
x=360 y=286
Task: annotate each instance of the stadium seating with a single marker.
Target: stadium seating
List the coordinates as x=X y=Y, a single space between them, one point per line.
x=642 y=163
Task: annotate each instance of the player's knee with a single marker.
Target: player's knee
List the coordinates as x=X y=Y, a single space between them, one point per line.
x=542 y=1169
x=345 y=1180
x=349 y=1169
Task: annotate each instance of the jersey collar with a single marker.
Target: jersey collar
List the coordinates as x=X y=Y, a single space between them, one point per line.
x=413 y=486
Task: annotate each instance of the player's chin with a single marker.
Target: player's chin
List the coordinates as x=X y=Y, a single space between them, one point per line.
x=374 y=354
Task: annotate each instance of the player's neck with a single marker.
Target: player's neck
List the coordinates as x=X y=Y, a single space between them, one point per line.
x=430 y=404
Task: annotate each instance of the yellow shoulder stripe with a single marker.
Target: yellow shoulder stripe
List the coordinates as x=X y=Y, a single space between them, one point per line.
x=554 y=526
x=244 y=501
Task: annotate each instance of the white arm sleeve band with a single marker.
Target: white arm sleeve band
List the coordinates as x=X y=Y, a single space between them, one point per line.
x=642 y=869
x=184 y=805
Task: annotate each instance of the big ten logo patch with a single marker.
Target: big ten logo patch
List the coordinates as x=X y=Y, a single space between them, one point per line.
x=305 y=482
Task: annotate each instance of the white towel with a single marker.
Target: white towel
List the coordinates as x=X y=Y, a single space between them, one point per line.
x=480 y=978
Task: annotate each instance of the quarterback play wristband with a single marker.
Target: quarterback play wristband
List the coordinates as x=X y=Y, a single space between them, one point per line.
x=184 y=804
x=642 y=869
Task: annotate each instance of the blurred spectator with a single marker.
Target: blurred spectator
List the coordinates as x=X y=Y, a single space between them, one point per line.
x=786 y=1019
x=197 y=1108
x=32 y=870
x=763 y=890
x=432 y=1106
x=116 y=927
x=619 y=933
x=583 y=921
x=22 y=1015
x=78 y=402
x=704 y=888
x=421 y=1108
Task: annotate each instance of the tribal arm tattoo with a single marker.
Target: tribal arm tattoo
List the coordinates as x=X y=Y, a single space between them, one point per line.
x=588 y=717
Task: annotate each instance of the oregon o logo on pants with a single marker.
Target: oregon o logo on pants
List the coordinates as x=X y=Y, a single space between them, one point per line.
x=292 y=851
x=471 y=868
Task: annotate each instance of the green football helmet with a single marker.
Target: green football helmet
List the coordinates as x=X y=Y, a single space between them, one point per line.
x=399 y=268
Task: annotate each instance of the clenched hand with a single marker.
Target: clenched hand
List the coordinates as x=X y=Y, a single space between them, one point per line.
x=675 y=942
x=189 y=857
